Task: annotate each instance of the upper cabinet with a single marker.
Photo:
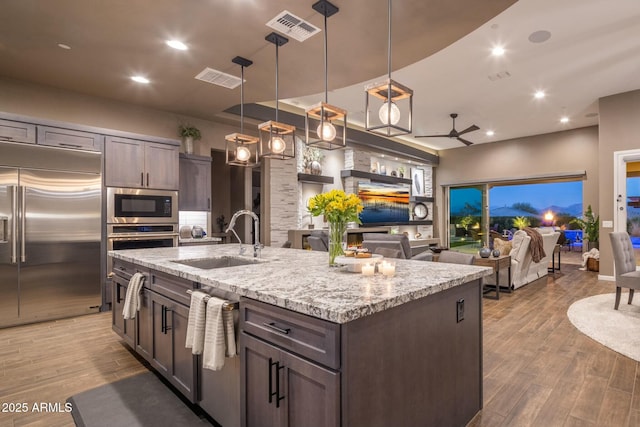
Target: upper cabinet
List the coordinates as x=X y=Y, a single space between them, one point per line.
x=17 y=131
x=140 y=164
x=66 y=138
x=195 y=183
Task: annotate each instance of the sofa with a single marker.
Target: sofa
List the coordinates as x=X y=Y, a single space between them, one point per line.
x=523 y=269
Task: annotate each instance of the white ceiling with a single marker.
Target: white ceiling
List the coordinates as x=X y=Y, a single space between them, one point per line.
x=594 y=51
x=444 y=46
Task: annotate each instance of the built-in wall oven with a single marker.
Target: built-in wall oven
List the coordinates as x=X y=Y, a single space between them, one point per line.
x=140 y=219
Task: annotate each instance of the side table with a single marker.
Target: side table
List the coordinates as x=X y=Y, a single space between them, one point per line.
x=556 y=251
x=500 y=263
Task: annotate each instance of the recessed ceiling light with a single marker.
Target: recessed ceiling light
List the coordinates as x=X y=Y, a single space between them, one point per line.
x=490 y=133
x=176 y=44
x=140 y=79
x=539 y=94
x=64 y=46
x=497 y=51
x=564 y=119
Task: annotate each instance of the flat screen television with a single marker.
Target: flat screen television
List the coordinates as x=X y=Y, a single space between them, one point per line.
x=384 y=203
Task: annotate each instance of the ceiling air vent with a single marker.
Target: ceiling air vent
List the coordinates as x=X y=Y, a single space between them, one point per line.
x=290 y=25
x=219 y=78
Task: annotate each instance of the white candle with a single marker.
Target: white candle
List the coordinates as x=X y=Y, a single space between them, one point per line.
x=388 y=268
x=368 y=269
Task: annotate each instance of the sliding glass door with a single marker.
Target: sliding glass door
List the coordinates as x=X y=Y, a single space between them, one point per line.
x=467 y=220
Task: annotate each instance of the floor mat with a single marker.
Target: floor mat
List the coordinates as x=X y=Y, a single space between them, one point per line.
x=141 y=400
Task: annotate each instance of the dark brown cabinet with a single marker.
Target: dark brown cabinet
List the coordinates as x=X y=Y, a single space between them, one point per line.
x=17 y=131
x=67 y=138
x=169 y=355
x=195 y=183
x=133 y=163
x=282 y=389
x=123 y=327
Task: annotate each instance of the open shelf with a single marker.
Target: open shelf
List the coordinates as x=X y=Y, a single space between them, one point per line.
x=387 y=179
x=315 y=179
x=421 y=199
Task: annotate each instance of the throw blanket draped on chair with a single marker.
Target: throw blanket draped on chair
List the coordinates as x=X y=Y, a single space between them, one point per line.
x=536 y=245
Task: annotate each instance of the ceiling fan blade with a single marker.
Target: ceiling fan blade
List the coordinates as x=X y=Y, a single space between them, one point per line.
x=431 y=136
x=464 y=141
x=469 y=129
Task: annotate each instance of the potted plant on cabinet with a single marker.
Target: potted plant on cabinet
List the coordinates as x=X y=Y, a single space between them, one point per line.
x=189 y=134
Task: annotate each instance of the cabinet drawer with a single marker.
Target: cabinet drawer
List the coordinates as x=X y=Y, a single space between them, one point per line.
x=170 y=286
x=307 y=336
x=65 y=138
x=17 y=131
x=126 y=269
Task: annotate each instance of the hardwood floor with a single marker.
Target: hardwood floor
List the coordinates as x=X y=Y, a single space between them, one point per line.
x=538 y=369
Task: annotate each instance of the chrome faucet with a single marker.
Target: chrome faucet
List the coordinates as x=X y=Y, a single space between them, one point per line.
x=256 y=230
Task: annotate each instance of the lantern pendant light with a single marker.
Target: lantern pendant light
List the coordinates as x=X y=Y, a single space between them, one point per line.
x=388 y=104
x=325 y=124
x=241 y=149
x=277 y=140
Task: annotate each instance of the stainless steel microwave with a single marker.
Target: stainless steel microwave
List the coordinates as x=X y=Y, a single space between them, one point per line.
x=141 y=206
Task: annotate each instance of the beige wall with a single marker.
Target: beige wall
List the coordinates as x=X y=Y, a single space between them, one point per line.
x=619 y=131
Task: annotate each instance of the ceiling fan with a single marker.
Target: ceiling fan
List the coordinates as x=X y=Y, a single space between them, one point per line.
x=454 y=133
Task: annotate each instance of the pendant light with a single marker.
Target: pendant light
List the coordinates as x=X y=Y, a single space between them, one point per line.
x=389 y=104
x=322 y=119
x=241 y=149
x=277 y=140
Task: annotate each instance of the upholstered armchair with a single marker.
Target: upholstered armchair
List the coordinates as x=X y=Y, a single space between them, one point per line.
x=319 y=241
x=400 y=242
x=625 y=265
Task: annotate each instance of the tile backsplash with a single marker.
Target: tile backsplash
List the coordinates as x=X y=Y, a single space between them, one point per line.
x=193 y=218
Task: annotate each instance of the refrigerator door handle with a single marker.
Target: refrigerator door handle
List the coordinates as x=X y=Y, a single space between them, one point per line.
x=14 y=224
x=23 y=207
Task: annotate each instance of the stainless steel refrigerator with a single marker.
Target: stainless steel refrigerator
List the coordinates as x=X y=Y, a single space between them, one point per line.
x=50 y=216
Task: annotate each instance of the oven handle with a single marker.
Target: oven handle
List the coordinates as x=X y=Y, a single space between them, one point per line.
x=121 y=237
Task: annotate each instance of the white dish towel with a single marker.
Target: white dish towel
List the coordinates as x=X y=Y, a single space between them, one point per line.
x=219 y=337
x=196 y=322
x=132 y=299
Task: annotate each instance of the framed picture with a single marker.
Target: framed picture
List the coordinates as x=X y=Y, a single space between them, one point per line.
x=417 y=182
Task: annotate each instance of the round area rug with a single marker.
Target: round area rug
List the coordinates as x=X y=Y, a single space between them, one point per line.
x=617 y=329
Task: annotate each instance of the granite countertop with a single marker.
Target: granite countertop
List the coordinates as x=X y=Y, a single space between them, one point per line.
x=206 y=239
x=302 y=281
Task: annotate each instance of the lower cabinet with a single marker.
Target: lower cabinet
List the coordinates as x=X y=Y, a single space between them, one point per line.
x=124 y=328
x=144 y=326
x=169 y=355
x=282 y=389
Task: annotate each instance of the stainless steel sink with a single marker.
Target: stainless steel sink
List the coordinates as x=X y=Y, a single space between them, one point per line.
x=217 y=262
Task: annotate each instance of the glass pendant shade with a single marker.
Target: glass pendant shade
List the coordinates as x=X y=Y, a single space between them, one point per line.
x=242 y=150
x=277 y=140
x=325 y=126
x=389 y=108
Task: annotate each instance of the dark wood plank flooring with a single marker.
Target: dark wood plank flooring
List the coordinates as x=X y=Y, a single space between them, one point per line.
x=538 y=369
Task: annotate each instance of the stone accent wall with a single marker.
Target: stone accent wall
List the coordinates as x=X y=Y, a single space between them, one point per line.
x=283 y=210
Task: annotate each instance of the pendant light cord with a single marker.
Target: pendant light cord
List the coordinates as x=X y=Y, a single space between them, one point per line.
x=276 y=81
x=326 y=62
x=242 y=99
x=389 y=43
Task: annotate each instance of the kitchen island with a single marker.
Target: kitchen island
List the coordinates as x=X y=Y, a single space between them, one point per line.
x=319 y=345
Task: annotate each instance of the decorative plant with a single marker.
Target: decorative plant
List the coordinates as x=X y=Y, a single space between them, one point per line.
x=221 y=223
x=521 y=222
x=401 y=171
x=466 y=221
x=590 y=223
x=186 y=130
x=338 y=208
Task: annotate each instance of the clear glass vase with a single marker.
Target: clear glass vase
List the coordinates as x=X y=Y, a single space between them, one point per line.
x=337 y=241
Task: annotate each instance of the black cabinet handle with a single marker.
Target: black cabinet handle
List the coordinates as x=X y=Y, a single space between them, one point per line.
x=278 y=397
x=147 y=179
x=271 y=393
x=142 y=179
x=162 y=319
x=118 y=298
x=273 y=326
x=164 y=324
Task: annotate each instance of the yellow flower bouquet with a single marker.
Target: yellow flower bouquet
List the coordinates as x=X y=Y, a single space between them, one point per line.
x=338 y=209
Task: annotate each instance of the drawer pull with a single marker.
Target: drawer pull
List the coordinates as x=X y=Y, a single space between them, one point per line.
x=273 y=326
